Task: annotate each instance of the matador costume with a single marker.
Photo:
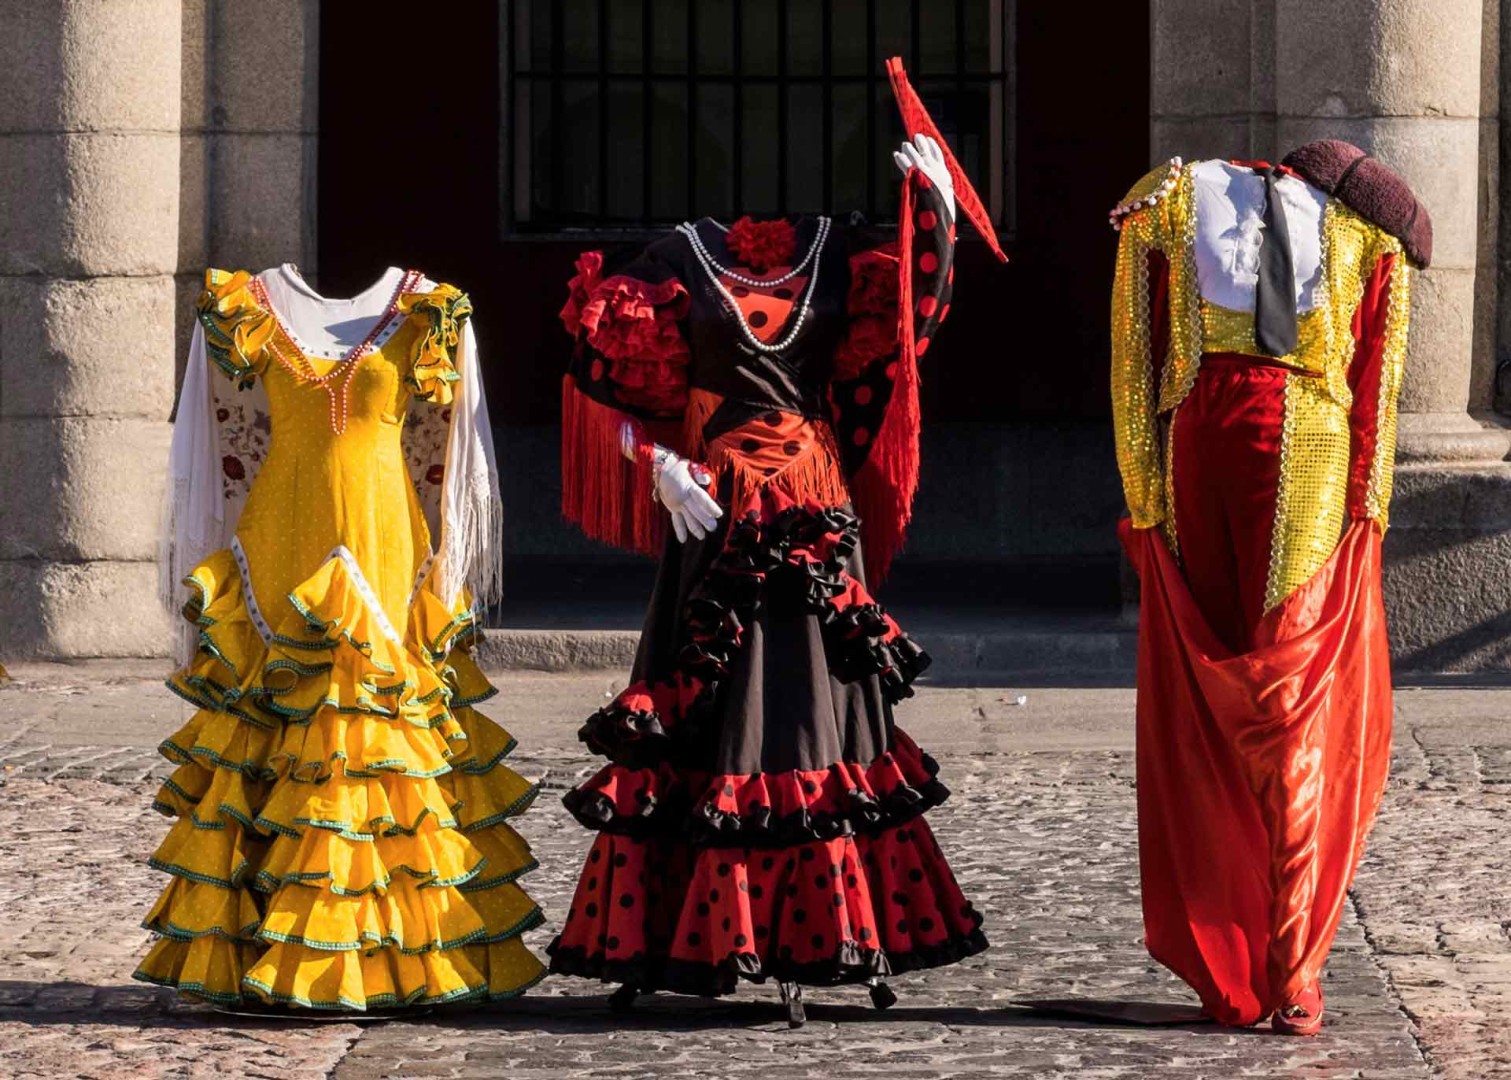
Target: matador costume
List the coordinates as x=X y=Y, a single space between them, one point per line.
x=1259 y=323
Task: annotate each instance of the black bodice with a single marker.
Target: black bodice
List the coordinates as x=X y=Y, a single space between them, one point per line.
x=723 y=361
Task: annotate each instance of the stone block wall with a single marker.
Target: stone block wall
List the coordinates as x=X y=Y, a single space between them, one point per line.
x=140 y=140
x=89 y=178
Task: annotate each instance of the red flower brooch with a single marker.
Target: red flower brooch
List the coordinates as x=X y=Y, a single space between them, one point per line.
x=761 y=245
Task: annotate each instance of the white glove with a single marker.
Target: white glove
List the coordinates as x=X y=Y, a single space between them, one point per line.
x=924 y=154
x=692 y=508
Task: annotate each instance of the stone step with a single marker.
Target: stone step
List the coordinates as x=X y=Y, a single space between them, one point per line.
x=967 y=645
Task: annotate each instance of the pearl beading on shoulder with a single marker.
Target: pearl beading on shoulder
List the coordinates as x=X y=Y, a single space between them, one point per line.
x=716 y=273
x=1121 y=210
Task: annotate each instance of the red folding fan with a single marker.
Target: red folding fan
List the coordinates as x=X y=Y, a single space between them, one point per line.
x=916 y=121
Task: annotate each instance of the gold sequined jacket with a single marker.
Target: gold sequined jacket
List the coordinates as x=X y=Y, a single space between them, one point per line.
x=1156 y=264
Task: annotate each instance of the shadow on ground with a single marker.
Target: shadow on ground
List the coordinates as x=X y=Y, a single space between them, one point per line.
x=141 y=1006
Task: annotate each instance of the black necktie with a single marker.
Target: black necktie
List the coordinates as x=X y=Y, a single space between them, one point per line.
x=1275 y=296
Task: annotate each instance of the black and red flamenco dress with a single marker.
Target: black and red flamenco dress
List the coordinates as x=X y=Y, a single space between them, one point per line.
x=760 y=816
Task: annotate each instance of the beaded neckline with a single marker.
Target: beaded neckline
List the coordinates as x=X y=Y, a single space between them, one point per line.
x=337 y=381
x=716 y=272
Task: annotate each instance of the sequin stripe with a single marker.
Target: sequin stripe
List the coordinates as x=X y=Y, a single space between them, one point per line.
x=1312 y=502
x=1186 y=345
x=1133 y=392
x=1168 y=526
x=1392 y=369
x=1337 y=299
x=1228 y=330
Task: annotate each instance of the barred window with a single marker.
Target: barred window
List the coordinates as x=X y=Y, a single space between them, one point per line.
x=639 y=113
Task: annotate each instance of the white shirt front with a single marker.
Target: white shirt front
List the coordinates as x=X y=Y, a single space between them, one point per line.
x=1230 y=203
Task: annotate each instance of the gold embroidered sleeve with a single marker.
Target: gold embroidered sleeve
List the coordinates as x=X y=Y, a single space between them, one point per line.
x=1134 y=393
x=1392 y=371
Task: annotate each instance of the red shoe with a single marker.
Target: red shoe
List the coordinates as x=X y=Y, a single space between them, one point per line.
x=1302 y=1015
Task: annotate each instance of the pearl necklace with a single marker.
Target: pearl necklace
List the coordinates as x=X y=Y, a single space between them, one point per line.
x=300 y=367
x=691 y=232
x=716 y=273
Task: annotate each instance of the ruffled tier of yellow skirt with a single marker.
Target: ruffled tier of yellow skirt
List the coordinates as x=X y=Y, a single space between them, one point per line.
x=341 y=836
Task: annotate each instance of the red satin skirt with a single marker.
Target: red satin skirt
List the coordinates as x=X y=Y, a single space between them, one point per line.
x=1263 y=737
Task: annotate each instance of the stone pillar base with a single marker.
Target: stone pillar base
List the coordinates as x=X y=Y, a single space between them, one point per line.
x=1451 y=438
x=1448 y=568
x=69 y=611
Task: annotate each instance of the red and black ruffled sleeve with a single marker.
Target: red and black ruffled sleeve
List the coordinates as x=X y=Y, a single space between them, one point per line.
x=628 y=374
x=898 y=297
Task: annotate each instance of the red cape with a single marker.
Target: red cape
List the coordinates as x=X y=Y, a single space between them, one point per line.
x=1259 y=774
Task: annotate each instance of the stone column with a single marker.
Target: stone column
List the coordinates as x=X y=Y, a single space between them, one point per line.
x=1212 y=87
x=1408 y=88
x=89 y=227
x=249 y=139
x=263 y=95
x=1414 y=93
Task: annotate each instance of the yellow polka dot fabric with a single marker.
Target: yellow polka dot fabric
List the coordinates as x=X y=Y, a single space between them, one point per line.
x=341 y=835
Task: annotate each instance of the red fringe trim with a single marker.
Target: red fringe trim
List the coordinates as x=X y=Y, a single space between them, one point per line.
x=603 y=492
x=813 y=477
x=883 y=488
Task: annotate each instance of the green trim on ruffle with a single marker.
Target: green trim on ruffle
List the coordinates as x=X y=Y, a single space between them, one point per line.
x=183 y=692
x=468 y=703
x=303 y=670
x=207 y=643
x=324 y=645
x=233 y=884
x=441 y=691
x=167 y=809
x=461 y=995
x=192 y=989
x=247 y=935
x=514 y=809
x=372 y=770
x=348 y=830
x=323 y=626
x=469 y=882
x=476 y=768
x=375 y=943
x=447 y=638
x=229 y=698
x=221 y=348
x=177 y=754
x=345 y=1004
x=508 y=878
x=303 y=717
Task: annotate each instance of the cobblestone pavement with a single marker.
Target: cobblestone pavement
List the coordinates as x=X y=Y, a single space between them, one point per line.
x=1042 y=837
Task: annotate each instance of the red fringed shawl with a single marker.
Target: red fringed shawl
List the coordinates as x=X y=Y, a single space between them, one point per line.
x=883 y=488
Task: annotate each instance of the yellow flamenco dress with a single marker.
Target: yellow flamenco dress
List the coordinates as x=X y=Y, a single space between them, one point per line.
x=342 y=837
